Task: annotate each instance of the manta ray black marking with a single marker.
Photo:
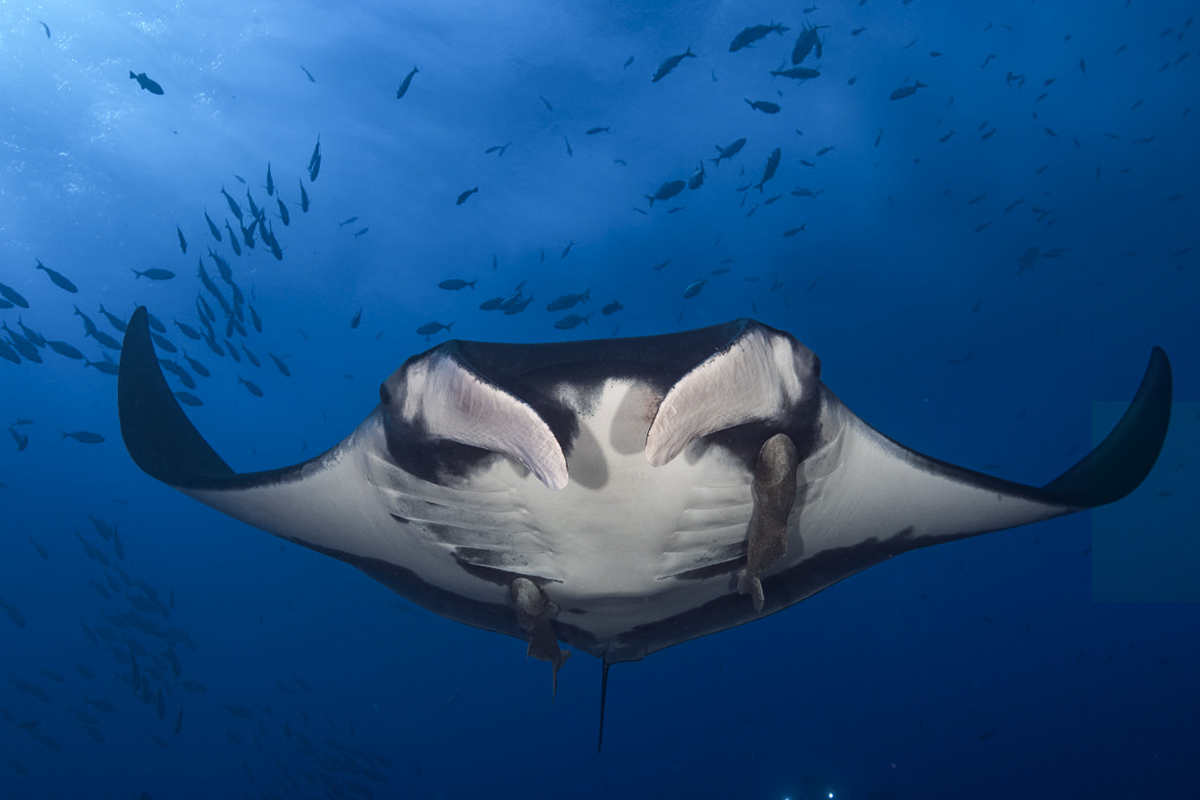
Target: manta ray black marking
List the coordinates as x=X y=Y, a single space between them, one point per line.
x=619 y=495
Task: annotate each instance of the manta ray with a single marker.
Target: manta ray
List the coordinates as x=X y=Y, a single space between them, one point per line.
x=617 y=496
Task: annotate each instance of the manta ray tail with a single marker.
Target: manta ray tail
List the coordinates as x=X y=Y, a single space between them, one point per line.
x=603 y=702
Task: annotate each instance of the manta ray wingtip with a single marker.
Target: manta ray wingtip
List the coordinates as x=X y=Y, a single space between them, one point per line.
x=157 y=433
x=1120 y=463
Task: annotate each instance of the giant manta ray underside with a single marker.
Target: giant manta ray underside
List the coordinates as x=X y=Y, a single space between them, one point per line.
x=620 y=495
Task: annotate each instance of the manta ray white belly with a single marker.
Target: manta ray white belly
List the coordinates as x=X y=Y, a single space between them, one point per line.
x=620 y=496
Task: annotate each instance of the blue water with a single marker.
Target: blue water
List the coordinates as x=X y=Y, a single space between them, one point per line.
x=979 y=669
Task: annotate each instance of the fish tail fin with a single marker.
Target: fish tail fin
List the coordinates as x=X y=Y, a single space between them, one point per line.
x=922 y=85
x=689 y=52
x=651 y=199
x=748 y=102
x=135 y=272
x=132 y=76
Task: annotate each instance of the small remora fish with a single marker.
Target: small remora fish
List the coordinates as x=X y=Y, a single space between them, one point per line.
x=670 y=63
x=454 y=284
x=907 y=91
x=146 y=83
x=182 y=241
x=694 y=288
x=611 y=308
x=462 y=198
x=405 y=83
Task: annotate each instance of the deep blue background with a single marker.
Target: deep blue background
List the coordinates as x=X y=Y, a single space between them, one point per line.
x=881 y=687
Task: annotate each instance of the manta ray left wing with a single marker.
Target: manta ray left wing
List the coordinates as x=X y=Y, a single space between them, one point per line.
x=860 y=497
x=619 y=495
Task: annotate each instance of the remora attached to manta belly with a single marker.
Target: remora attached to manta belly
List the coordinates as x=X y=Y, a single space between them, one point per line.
x=618 y=495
